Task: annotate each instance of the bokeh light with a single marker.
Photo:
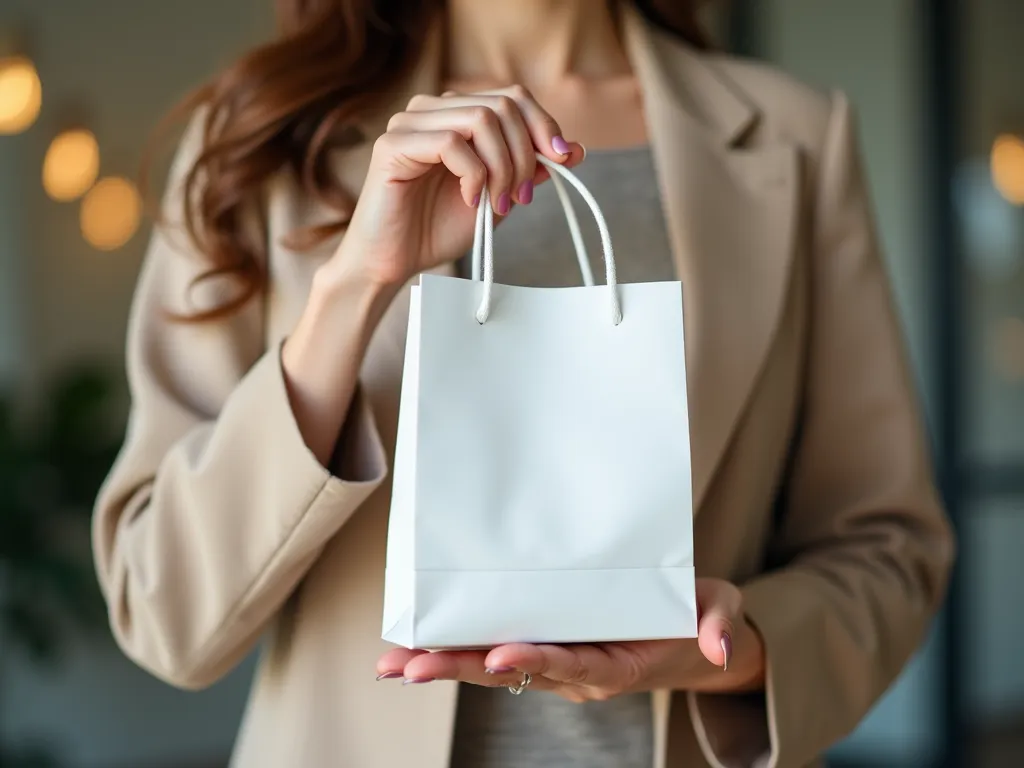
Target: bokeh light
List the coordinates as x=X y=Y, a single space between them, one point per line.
x=71 y=166
x=110 y=214
x=1008 y=167
x=21 y=94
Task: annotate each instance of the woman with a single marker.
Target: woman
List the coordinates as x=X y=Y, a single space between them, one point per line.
x=265 y=351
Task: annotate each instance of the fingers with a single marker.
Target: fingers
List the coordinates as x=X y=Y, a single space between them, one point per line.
x=464 y=666
x=410 y=155
x=516 y=134
x=545 y=132
x=720 y=609
x=577 y=154
x=497 y=133
x=392 y=663
x=506 y=127
x=577 y=672
x=467 y=666
x=594 y=666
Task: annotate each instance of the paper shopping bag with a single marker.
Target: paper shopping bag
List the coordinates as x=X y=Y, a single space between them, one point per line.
x=541 y=485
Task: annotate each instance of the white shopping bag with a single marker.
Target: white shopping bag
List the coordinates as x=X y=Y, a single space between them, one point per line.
x=542 y=470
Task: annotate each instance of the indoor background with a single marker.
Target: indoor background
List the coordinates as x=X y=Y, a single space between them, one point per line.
x=938 y=86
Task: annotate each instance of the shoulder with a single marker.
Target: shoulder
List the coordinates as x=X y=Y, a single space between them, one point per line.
x=789 y=110
x=756 y=103
x=821 y=124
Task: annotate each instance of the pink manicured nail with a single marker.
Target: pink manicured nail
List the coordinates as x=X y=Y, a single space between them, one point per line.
x=526 y=192
x=417 y=680
x=499 y=670
x=726 y=650
x=560 y=145
x=389 y=676
x=476 y=200
x=504 y=203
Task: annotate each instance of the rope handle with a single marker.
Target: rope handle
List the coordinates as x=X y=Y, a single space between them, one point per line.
x=483 y=241
x=574 y=230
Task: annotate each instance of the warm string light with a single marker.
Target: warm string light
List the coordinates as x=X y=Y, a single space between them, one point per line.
x=21 y=94
x=111 y=208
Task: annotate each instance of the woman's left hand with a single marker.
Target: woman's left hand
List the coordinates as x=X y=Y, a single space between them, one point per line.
x=602 y=670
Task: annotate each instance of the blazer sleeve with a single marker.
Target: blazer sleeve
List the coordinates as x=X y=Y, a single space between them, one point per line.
x=215 y=507
x=866 y=550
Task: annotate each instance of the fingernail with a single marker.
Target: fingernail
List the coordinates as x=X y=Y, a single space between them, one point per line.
x=476 y=200
x=726 y=650
x=526 y=192
x=417 y=680
x=504 y=203
x=560 y=145
x=584 y=148
x=389 y=676
x=499 y=670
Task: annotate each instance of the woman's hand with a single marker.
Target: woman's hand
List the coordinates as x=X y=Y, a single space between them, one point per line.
x=726 y=656
x=418 y=205
x=416 y=210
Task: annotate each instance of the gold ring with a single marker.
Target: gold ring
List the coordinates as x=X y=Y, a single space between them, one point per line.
x=517 y=689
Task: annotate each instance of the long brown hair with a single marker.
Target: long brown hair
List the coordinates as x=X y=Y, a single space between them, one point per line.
x=289 y=103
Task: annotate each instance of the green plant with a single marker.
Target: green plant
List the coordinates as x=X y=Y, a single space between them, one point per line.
x=51 y=467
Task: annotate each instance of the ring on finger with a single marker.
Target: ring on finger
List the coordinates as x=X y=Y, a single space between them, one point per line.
x=517 y=688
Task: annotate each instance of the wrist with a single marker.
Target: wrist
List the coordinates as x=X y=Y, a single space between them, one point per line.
x=344 y=288
x=341 y=314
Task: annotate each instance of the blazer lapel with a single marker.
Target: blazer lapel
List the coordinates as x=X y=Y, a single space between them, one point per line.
x=730 y=213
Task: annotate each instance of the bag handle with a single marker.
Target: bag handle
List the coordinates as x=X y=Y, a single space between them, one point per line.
x=574 y=230
x=483 y=241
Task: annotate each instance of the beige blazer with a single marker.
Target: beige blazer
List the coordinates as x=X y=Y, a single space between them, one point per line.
x=812 y=488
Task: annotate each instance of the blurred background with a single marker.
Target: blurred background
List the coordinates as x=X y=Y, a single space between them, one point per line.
x=938 y=86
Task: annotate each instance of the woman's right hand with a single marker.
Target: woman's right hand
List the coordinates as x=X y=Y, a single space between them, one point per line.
x=417 y=208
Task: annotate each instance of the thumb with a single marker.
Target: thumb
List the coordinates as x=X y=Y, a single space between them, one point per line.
x=577 y=154
x=719 y=606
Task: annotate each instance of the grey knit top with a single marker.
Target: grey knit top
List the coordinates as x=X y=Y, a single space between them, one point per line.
x=533 y=247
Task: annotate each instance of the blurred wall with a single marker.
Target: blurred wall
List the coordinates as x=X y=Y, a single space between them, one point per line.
x=12 y=266
x=870 y=50
x=119 y=64
x=994 y=292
